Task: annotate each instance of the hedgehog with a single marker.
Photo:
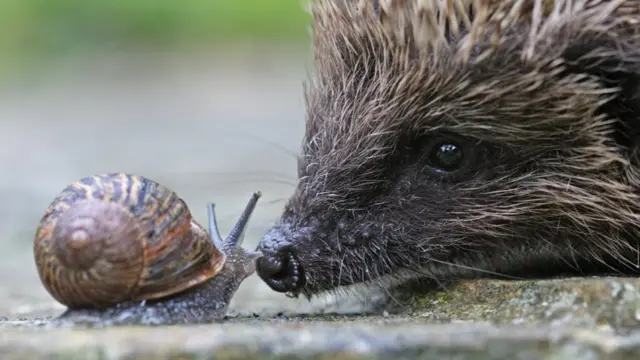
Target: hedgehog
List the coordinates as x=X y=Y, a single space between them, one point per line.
x=458 y=139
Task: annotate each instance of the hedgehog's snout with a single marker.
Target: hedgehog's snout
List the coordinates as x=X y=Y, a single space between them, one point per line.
x=280 y=268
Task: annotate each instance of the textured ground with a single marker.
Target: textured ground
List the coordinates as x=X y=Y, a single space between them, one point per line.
x=218 y=128
x=595 y=318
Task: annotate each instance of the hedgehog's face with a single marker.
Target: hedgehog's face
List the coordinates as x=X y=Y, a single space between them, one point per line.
x=425 y=202
x=415 y=166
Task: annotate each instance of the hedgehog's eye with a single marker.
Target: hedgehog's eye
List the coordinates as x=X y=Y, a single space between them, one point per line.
x=446 y=156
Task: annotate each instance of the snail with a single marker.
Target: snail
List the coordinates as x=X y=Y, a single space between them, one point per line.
x=121 y=248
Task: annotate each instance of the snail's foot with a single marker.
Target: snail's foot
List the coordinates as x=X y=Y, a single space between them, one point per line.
x=191 y=307
x=122 y=314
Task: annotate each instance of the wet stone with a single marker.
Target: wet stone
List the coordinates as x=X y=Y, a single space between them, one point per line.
x=588 y=318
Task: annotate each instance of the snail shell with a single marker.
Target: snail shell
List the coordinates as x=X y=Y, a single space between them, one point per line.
x=119 y=237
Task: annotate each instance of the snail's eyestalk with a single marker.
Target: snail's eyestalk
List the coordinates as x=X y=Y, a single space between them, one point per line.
x=213 y=227
x=236 y=236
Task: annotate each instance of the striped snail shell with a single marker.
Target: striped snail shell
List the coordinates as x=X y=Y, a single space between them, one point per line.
x=119 y=237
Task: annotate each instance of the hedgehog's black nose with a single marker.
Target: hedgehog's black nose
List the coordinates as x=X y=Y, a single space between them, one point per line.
x=281 y=270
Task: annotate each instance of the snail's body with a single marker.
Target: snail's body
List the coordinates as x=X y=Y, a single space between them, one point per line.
x=205 y=303
x=121 y=248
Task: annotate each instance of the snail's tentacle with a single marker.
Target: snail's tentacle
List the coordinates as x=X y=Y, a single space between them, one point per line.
x=214 y=230
x=236 y=236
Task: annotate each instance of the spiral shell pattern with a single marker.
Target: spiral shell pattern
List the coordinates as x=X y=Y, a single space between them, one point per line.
x=116 y=237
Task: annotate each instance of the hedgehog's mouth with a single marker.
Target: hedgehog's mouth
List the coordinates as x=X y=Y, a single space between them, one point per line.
x=280 y=266
x=282 y=271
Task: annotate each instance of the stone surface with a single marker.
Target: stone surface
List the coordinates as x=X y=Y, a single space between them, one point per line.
x=320 y=341
x=612 y=302
x=592 y=318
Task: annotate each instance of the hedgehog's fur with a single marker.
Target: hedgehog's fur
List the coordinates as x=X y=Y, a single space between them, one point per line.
x=544 y=99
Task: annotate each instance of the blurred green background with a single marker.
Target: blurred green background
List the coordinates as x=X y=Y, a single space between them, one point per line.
x=38 y=31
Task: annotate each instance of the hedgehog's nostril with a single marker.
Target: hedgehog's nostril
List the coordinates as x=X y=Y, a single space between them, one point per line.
x=281 y=271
